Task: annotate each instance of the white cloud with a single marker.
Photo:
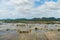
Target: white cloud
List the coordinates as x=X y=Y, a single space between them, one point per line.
x=26 y=9
x=49 y=9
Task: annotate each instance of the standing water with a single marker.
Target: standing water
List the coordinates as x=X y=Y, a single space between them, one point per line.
x=38 y=32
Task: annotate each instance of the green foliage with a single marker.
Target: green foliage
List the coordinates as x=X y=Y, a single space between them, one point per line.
x=23 y=20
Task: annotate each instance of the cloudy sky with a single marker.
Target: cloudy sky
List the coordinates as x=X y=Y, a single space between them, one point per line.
x=29 y=8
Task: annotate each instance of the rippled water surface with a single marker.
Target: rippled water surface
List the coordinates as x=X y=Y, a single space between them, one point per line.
x=34 y=35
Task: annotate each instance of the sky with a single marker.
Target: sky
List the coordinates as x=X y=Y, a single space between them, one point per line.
x=12 y=9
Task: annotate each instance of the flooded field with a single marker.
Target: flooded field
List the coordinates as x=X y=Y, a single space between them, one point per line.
x=9 y=31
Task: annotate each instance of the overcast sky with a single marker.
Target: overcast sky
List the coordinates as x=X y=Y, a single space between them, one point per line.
x=29 y=8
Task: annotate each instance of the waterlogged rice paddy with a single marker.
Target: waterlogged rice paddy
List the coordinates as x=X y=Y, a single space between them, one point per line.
x=41 y=34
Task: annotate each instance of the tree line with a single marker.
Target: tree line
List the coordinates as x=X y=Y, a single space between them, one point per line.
x=33 y=19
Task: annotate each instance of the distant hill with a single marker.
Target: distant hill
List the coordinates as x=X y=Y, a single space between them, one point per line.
x=37 y=20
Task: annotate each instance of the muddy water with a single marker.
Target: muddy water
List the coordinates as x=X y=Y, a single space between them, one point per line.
x=14 y=35
x=8 y=35
x=34 y=35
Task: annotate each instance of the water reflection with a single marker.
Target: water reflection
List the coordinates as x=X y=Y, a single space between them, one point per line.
x=38 y=32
